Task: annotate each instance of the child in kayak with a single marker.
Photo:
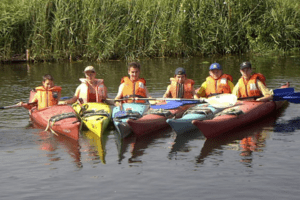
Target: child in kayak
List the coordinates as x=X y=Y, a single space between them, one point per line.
x=181 y=86
x=251 y=85
x=90 y=89
x=46 y=95
x=133 y=86
x=216 y=82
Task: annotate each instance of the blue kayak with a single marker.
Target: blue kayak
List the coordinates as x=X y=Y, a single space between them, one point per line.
x=128 y=111
x=199 y=112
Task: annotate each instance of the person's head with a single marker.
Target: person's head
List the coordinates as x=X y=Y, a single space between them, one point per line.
x=48 y=81
x=180 y=75
x=215 y=70
x=90 y=73
x=246 y=69
x=134 y=71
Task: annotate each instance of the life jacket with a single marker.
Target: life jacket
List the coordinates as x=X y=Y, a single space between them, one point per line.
x=187 y=88
x=250 y=88
x=134 y=89
x=47 y=97
x=218 y=86
x=84 y=93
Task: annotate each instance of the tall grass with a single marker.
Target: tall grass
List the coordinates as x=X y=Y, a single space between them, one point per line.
x=128 y=29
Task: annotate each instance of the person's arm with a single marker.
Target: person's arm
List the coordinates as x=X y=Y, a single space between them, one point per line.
x=167 y=93
x=235 y=90
x=231 y=85
x=147 y=93
x=74 y=98
x=266 y=92
x=200 y=92
x=58 y=96
x=29 y=106
x=105 y=93
x=120 y=92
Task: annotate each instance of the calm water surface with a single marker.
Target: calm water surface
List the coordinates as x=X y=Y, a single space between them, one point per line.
x=260 y=161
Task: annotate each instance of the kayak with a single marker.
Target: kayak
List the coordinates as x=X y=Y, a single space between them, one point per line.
x=243 y=113
x=60 y=119
x=155 y=119
x=120 y=116
x=198 y=112
x=95 y=116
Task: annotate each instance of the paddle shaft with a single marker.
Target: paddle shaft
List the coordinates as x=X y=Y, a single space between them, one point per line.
x=159 y=99
x=12 y=106
x=17 y=105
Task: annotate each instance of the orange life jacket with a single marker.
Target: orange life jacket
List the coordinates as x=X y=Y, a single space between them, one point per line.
x=218 y=86
x=84 y=93
x=134 y=89
x=250 y=88
x=47 y=97
x=187 y=88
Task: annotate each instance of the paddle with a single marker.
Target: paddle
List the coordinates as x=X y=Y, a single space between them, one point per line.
x=18 y=105
x=218 y=101
x=281 y=92
x=293 y=98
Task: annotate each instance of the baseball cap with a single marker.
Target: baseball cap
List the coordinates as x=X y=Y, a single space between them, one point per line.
x=180 y=71
x=89 y=68
x=215 y=66
x=245 y=65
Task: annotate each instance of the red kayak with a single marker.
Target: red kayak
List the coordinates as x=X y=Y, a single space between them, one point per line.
x=57 y=119
x=243 y=113
x=155 y=120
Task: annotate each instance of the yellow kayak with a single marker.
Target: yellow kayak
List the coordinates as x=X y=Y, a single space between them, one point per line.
x=95 y=116
x=98 y=142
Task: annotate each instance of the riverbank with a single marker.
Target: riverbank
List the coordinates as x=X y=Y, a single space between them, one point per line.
x=112 y=29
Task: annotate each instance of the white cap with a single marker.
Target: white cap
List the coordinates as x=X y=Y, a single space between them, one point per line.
x=89 y=68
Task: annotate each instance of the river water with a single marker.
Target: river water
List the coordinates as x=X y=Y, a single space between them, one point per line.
x=259 y=161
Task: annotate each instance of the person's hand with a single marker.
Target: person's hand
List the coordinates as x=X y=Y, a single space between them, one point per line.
x=20 y=103
x=62 y=103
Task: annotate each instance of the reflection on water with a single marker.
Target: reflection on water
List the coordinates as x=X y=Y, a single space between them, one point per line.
x=287 y=126
x=50 y=143
x=140 y=144
x=181 y=142
x=97 y=145
x=247 y=140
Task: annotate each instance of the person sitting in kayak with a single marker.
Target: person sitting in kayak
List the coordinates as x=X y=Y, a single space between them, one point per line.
x=216 y=82
x=46 y=95
x=251 y=85
x=90 y=89
x=133 y=86
x=181 y=86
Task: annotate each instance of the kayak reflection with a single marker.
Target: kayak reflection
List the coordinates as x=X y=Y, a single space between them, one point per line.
x=98 y=143
x=180 y=143
x=249 y=139
x=50 y=143
x=138 y=147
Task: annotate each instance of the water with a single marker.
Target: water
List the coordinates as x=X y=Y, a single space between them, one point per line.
x=259 y=161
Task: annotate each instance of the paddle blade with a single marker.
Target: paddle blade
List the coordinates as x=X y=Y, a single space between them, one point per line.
x=169 y=105
x=222 y=100
x=281 y=92
x=293 y=98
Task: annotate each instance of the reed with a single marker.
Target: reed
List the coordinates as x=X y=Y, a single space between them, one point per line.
x=131 y=29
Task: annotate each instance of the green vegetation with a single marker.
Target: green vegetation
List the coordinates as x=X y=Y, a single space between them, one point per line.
x=127 y=29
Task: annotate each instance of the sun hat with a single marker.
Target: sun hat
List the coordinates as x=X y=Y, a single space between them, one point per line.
x=215 y=66
x=245 y=65
x=89 y=68
x=180 y=71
